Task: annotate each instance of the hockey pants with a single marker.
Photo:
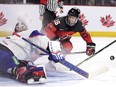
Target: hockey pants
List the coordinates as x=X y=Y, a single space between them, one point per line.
x=6 y=59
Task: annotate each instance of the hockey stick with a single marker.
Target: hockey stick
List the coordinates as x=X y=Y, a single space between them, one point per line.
x=64 y=62
x=80 y=52
x=96 y=53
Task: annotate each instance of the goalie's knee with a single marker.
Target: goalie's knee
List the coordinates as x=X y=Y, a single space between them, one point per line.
x=67 y=46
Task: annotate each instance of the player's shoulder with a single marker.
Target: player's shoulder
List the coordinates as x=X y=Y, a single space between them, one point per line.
x=79 y=23
x=78 y=27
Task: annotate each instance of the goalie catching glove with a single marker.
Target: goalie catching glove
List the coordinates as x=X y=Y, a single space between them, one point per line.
x=90 y=49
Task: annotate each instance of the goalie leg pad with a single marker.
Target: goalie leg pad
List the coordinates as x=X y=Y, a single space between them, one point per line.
x=55 y=50
x=38 y=76
x=29 y=74
x=54 y=46
x=50 y=66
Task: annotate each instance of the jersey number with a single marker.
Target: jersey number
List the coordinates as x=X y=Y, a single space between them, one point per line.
x=56 y=22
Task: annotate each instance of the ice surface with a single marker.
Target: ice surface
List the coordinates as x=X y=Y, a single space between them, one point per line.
x=62 y=77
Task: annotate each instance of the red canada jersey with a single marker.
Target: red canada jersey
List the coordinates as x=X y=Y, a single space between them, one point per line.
x=58 y=28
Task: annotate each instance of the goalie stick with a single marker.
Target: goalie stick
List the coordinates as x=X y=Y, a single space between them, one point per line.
x=95 y=53
x=80 y=52
x=64 y=62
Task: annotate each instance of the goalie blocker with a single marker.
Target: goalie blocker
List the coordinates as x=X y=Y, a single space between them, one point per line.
x=55 y=51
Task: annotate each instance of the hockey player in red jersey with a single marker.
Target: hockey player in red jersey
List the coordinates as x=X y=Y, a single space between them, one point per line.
x=17 y=57
x=63 y=28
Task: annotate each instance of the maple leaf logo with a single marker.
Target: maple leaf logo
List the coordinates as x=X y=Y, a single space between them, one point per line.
x=83 y=20
x=107 y=21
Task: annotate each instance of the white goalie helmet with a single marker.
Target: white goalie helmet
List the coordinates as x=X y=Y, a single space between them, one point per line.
x=20 y=26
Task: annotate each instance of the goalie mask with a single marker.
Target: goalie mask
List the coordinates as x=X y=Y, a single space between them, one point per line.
x=72 y=16
x=20 y=26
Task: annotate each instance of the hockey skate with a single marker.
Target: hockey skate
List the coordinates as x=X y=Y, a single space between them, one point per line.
x=30 y=74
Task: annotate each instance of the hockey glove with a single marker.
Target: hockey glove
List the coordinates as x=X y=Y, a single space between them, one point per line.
x=56 y=57
x=90 y=49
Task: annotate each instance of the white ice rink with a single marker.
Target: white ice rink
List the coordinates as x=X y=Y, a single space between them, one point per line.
x=62 y=77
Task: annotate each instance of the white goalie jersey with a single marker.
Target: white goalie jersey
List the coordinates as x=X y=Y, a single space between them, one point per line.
x=23 y=50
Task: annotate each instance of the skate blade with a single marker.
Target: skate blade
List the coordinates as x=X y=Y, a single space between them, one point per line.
x=41 y=80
